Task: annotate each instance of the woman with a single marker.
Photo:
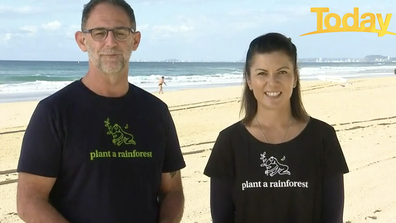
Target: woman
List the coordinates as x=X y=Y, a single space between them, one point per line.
x=278 y=164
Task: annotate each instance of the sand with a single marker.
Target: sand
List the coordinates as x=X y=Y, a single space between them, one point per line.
x=363 y=113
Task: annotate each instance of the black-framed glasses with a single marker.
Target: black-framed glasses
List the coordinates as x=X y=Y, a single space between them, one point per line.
x=100 y=34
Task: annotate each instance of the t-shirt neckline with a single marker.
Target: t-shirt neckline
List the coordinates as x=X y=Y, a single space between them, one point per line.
x=99 y=97
x=282 y=143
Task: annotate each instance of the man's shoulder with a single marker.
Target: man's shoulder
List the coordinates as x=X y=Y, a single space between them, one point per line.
x=147 y=98
x=63 y=95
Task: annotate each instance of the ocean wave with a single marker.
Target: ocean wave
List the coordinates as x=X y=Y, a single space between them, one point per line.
x=35 y=86
x=23 y=82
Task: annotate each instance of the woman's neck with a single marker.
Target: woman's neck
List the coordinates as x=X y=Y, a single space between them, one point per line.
x=274 y=118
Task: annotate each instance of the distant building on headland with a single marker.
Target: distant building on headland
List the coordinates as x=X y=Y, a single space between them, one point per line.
x=368 y=58
x=378 y=58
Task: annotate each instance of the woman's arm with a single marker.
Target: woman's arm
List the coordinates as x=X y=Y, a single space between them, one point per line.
x=333 y=199
x=221 y=202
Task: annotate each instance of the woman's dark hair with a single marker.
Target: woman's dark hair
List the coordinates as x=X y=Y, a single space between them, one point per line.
x=268 y=43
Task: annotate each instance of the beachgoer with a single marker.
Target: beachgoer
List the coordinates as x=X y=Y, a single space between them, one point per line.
x=160 y=83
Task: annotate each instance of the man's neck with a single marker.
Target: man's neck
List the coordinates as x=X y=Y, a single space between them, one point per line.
x=107 y=85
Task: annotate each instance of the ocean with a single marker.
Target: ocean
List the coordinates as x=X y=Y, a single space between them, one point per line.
x=34 y=80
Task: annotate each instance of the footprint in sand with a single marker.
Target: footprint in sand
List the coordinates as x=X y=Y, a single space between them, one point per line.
x=373 y=217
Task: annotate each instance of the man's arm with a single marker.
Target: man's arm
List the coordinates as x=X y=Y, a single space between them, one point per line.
x=32 y=199
x=171 y=198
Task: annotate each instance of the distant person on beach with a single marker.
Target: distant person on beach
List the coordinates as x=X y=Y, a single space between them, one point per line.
x=160 y=83
x=102 y=149
x=277 y=164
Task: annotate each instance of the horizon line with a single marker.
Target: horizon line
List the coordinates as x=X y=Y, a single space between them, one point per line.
x=205 y=61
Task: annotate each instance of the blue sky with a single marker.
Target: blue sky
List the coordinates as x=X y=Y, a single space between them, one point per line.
x=192 y=30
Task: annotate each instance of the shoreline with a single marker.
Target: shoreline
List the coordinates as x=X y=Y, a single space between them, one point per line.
x=37 y=96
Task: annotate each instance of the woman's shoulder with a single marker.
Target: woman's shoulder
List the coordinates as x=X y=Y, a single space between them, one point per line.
x=319 y=123
x=233 y=129
x=321 y=127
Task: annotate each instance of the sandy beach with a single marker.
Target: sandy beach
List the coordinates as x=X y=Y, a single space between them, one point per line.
x=363 y=113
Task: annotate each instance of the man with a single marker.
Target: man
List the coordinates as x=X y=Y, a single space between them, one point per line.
x=102 y=149
x=160 y=83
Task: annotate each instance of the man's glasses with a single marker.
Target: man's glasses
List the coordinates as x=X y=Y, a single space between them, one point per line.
x=100 y=34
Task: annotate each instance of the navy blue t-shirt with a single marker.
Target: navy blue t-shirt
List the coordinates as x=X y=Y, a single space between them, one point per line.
x=277 y=183
x=107 y=154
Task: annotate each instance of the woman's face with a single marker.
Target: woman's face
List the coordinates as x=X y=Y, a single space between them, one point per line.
x=272 y=79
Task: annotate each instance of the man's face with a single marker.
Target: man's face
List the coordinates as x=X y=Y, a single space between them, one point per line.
x=111 y=56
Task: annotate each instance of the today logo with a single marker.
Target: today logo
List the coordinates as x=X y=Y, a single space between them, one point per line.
x=356 y=27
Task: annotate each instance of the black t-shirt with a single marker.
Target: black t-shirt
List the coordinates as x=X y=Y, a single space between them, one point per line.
x=106 y=153
x=277 y=183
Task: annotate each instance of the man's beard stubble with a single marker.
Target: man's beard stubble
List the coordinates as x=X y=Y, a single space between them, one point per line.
x=107 y=65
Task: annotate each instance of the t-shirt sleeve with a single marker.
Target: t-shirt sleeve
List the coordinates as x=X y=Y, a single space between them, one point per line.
x=173 y=156
x=41 y=150
x=334 y=159
x=220 y=162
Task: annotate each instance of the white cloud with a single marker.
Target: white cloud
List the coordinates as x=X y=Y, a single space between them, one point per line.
x=244 y=25
x=169 y=31
x=32 y=30
x=52 y=25
x=24 y=10
x=291 y=12
x=152 y=2
x=71 y=30
x=166 y=29
x=18 y=10
x=252 y=18
x=142 y=27
x=4 y=38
